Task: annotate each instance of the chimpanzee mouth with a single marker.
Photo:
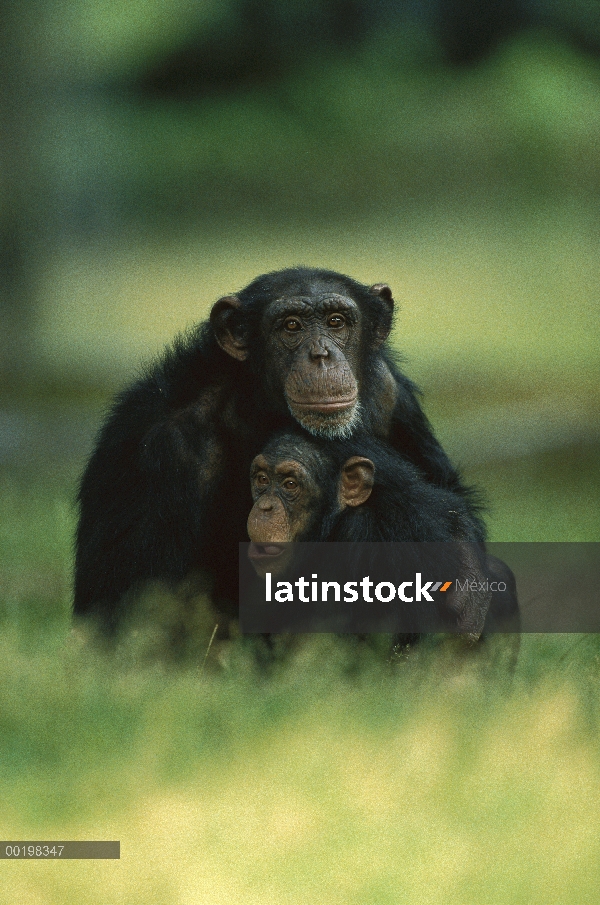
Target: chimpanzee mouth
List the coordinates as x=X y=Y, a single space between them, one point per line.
x=265 y=551
x=326 y=406
x=335 y=422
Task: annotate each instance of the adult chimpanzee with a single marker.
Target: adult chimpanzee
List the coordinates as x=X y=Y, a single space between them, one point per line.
x=164 y=493
x=305 y=489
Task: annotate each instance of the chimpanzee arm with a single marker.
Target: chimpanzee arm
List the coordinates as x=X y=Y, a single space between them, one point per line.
x=395 y=415
x=412 y=435
x=147 y=492
x=143 y=504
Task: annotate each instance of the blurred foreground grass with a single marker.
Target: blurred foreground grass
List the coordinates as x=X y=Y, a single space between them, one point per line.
x=437 y=784
x=338 y=779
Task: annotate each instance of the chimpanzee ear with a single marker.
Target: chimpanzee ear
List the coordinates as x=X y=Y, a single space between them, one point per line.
x=356 y=481
x=385 y=325
x=226 y=321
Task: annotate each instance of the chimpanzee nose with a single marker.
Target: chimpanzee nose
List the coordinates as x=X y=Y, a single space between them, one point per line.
x=319 y=349
x=265 y=503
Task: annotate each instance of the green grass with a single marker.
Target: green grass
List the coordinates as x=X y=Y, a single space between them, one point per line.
x=338 y=779
x=436 y=784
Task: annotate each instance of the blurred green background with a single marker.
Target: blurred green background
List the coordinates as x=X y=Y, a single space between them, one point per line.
x=157 y=154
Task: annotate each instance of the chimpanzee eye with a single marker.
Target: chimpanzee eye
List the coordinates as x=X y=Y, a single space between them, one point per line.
x=290 y=484
x=335 y=320
x=261 y=479
x=292 y=324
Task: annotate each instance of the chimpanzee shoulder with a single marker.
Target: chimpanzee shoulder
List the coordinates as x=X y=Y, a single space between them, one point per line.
x=157 y=465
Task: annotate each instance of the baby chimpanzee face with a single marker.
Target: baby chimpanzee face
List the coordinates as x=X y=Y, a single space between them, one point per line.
x=295 y=485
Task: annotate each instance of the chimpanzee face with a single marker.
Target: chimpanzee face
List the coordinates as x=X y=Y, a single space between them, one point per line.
x=288 y=500
x=295 y=485
x=313 y=345
x=313 y=337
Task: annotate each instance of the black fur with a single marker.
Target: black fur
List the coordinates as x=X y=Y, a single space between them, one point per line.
x=165 y=492
x=404 y=507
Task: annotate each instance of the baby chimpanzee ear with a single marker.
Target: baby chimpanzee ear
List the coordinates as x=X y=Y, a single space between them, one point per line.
x=356 y=481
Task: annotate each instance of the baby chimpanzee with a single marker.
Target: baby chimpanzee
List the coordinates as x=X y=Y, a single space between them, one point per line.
x=361 y=490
